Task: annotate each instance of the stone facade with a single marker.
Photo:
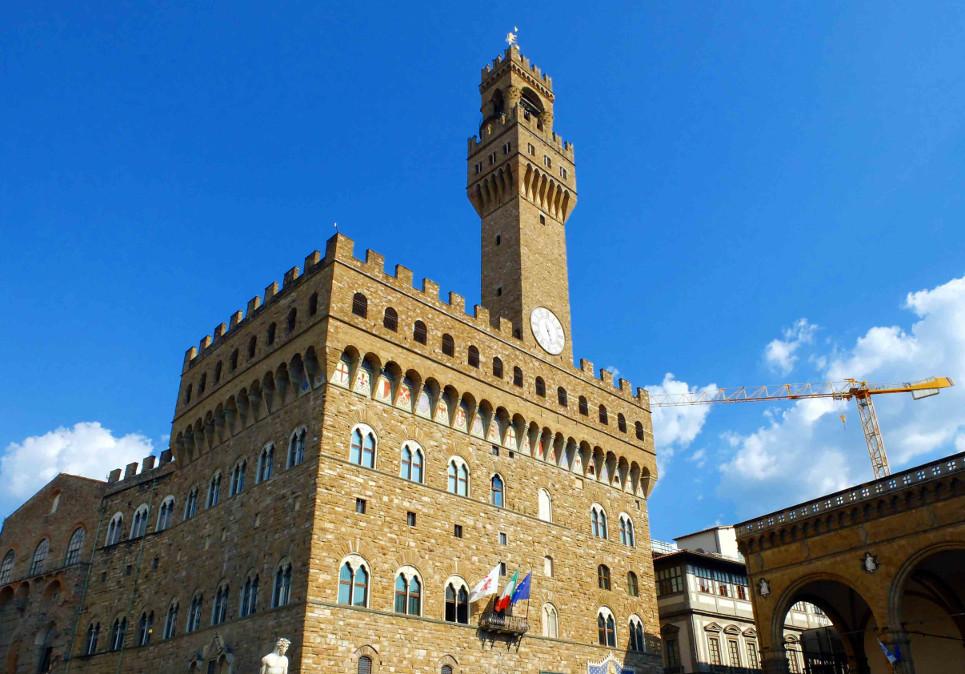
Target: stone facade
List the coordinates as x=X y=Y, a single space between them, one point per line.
x=345 y=347
x=885 y=560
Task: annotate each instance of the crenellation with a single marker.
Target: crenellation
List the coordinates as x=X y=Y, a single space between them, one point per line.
x=606 y=376
x=219 y=331
x=457 y=302
x=147 y=463
x=375 y=262
x=312 y=260
x=625 y=387
x=430 y=289
x=290 y=277
x=586 y=366
x=204 y=343
x=130 y=470
x=235 y=320
x=481 y=314
x=253 y=305
x=505 y=328
x=404 y=276
x=270 y=291
x=114 y=476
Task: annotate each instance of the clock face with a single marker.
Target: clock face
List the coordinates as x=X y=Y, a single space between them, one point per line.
x=548 y=330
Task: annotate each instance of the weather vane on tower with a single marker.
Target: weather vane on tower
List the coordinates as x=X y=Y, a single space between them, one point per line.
x=513 y=36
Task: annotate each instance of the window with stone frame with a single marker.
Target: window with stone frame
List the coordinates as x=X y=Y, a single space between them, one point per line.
x=266 y=461
x=390 y=319
x=114 y=529
x=282 y=590
x=517 y=376
x=93 y=634
x=598 y=522
x=237 y=483
x=457 y=602
x=472 y=357
x=191 y=504
x=219 y=608
x=603 y=577
x=360 y=305
x=249 y=596
x=296 y=447
x=497 y=368
x=74 y=546
x=408 y=592
x=713 y=648
x=39 y=559
x=118 y=631
x=194 y=612
x=497 y=491
x=6 y=567
x=549 y=619
x=363 y=446
x=633 y=587
x=165 y=515
x=420 y=333
x=353 y=582
x=458 y=477
x=411 y=466
x=606 y=628
x=584 y=406
x=540 y=387
x=145 y=626
x=448 y=345
x=171 y=621
x=139 y=523
x=636 y=638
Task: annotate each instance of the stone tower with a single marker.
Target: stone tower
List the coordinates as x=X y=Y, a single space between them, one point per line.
x=522 y=184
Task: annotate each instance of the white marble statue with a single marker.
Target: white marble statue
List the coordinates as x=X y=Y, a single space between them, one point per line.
x=276 y=662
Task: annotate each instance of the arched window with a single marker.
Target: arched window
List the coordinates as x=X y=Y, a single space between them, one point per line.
x=603 y=416
x=187 y=395
x=638 y=430
x=74 y=545
x=365 y=665
x=540 y=387
x=497 y=368
x=420 y=333
x=550 y=622
x=360 y=305
x=408 y=592
x=561 y=396
x=458 y=474
x=114 y=529
x=39 y=560
x=598 y=521
x=93 y=634
x=548 y=566
x=353 y=582
x=448 y=345
x=517 y=376
x=266 y=460
x=217 y=372
x=191 y=504
x=203 y=383
x=292 y=320
x=313 y=304
x=473 y=357
x=6 y=568
x=411 y=466
x=171 y=621
x=626 y=530
x=621 y=423
x=496 y=493
x=249 y=596
x=252 y=346
x=362 y=450
x=237 y=484
x=446 y=669
x=145 y=625
x=271 y=334
x=296 y=447
x=282 y=591
x=457 y=601
x=633 y=587
x=139 y=523
x=603 y=577
x=544 y=505
x=390 y=319
x=233 y=360
x=194 y=613
x=606 y=628
x=117 y=633
x=214 y=490
x=219 y=609
x=165 y=515
x=636 y=635
x=584 y=406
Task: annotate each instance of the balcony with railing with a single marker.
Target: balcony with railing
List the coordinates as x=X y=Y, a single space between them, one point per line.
x=500 y=623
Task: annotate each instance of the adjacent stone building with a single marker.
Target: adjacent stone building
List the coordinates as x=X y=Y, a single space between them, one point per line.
x=352 y=454
x=884 y=560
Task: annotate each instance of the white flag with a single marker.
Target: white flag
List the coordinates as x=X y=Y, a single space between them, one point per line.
x=487 y=586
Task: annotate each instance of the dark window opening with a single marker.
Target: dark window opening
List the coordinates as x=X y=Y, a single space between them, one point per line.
x=448 y=345
x=313 y=304
x=360 y=305
x=419 y=332
x=271 y=334
x=390 y=320
x=517 y=376
x=473 y=358
x=292 y=320
x=540 y=387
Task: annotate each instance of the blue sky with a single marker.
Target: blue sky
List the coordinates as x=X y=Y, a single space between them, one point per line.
x=741 y=167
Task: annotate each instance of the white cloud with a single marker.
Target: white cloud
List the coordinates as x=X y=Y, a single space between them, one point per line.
x=781 y=354
x=86 y=449
x=676 y=427
x=803 y=451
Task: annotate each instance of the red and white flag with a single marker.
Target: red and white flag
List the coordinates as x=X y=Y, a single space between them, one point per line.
x=487 y=586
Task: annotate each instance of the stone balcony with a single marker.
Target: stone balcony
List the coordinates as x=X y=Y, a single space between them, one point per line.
x=503 y=624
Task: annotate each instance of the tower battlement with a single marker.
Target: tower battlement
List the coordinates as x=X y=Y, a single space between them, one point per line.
x=509 y=58
x=495 y=127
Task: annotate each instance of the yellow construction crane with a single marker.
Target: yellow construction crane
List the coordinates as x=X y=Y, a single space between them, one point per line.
x=860 y=391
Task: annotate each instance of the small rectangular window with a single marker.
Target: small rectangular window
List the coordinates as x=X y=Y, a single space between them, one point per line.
x=495 y=450
x=498 y=239
x=502 y=568
x=360 y=506
x=410 y=518
x=457 y=530
x=563 y=172
x=503 y=539
x=506 y=147
x=547 y=161
x=492 y=158
x=478 y=167
x=531 y=148
x=542 y=219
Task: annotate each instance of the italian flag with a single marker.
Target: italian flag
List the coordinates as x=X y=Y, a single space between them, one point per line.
x=503 y=602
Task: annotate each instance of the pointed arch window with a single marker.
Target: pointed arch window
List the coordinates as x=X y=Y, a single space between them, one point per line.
x=233 y=360
x=296 y=447
x=191 y=504
x=637 y=642
x=411 y=466
x=237 y=483
x=214 y=490
x=420 y=333
x=448 y=345
x=6 y=568
x=458 y=477
x=292 y=320
x=249 y=596
x=548 y=566
x=219 y=609
x=390 y=319
x=117 y=633
x=633 y=587
x=114 y=529
x=550 y=622
x=39 y=560
x=497 y=491
x=282 y=591
x=360 y=305
x=606 y=628
x=74 y=546
x=497 y=368
x=266 y=460
x=194 y=612
x=598 y=524
x=139 y=524
x=93 y=634
x=171 y=621
x=457 y=602
x=271 y=334
x=544 y=505
x=252 y=346
x=145 y=625
x=363 y=446
x=408 y=592
x=165 y=515
x=626 y=531
x=353 y=583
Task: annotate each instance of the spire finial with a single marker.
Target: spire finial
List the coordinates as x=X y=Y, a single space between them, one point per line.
x=512 y=37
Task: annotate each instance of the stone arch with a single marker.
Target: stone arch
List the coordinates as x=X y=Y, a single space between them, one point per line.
x=367 y=651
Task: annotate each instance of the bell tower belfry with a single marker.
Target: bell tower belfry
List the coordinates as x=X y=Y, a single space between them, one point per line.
x=522 y=183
